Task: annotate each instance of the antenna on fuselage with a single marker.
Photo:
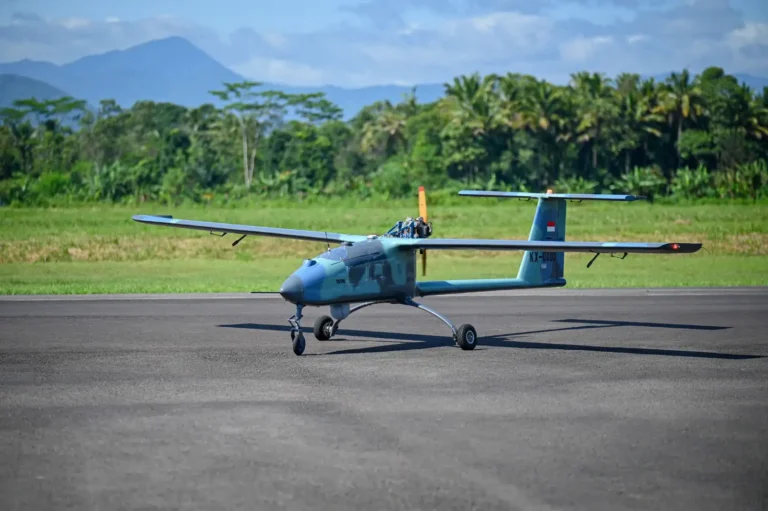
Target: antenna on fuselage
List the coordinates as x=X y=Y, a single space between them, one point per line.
x=327 y=243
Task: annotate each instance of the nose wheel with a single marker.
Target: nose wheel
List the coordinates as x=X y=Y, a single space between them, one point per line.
x=297 y=338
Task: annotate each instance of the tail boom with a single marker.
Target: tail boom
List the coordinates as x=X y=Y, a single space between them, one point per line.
x=449 y=287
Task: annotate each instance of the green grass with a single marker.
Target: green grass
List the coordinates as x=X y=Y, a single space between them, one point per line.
x=101 y=250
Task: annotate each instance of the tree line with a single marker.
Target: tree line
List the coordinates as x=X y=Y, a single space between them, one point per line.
x=690 y=136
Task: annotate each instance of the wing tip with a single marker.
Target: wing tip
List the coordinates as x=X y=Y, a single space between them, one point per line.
x=683 y=248
x=144 y=218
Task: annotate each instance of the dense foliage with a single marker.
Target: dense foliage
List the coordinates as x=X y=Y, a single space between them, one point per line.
x=689 y=137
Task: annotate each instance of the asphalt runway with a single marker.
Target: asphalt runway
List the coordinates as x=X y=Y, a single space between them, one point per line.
x=594 y=400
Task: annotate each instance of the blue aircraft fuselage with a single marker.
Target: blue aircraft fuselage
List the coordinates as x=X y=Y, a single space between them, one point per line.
x=373 y=269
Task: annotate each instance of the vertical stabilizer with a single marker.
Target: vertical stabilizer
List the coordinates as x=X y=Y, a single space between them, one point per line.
x=539 y=268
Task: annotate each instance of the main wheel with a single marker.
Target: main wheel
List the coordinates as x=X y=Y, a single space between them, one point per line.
x=298 y=342
x=466 y=337
x=323 y=328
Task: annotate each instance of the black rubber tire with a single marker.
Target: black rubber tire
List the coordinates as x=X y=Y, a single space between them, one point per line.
x=466 y=337
x=323 y=328
x=298 y=343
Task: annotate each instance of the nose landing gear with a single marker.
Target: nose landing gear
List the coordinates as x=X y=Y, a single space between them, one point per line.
x=297 y=338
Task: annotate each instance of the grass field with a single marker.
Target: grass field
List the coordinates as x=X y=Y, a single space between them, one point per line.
x=101 y=250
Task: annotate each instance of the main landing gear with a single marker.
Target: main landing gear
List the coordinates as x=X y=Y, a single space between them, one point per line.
x=325 y=327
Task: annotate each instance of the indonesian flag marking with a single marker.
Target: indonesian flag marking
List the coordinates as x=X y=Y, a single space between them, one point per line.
x=550 y=226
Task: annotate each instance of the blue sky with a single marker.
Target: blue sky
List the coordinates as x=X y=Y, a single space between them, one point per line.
x=365 y=42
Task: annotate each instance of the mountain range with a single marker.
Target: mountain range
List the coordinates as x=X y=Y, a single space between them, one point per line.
x=13 y=87
x=175 y=70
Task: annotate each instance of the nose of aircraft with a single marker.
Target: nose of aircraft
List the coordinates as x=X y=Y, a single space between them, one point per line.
x=292 y=289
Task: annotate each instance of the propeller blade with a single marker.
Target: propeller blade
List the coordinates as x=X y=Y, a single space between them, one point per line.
x=423 y=204
x=423 y=214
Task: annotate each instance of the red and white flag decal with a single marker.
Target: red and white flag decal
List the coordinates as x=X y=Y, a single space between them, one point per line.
x=550 y=226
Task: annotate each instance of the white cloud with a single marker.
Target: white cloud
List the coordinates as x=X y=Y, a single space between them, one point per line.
x=466 y=36
x=658 y=39
x=582 y=49
x=751 y=33
x=276 y=40
x=282 y=72
x=64 y=40
x=465 y=41
x=73 y=23
x=749 y=47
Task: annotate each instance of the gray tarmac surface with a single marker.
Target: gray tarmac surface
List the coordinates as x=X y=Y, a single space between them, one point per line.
x=597 y=400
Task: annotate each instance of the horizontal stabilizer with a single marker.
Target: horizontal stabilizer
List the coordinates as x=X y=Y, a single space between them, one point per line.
x=566 y=196
x=553 y=246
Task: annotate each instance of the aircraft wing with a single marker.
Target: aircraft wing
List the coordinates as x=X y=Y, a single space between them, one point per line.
x=250 y=230
x=551 y=246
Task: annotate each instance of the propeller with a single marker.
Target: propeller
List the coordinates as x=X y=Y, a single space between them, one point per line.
x=423 y=214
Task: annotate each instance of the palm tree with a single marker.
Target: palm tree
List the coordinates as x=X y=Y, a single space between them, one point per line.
x=409 y=106
x=385 y=133
x=638 y=123
x=681 y=101
x=595 y=108
x=23 y=135
x=544 y=111
x=753 y=117
x=513 y=88
x=471 y=106
x=471 y=102
x=627 y=83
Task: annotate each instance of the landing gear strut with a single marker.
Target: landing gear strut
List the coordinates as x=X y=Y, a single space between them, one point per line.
x=326 y=326
x=465 y=336
x=297 y=338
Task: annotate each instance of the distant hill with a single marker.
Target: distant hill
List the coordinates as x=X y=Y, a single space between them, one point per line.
x=13 y=87
x=756 y=83
x=353 y=100
x=170 y=69
x=175 y=70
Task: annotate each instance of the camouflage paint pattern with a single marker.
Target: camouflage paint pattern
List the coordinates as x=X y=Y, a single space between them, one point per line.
x=374 y=269
x=384 y=269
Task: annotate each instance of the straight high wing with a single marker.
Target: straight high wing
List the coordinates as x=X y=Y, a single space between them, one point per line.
x=553 y=246
x=364 y=270
x=249 y=230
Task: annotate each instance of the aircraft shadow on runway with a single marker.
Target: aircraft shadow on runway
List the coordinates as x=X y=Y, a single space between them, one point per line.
x=643 y=323
x=423 y=341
